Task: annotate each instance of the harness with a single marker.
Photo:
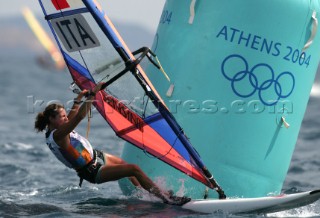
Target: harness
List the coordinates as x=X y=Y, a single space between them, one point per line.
x=89 y=171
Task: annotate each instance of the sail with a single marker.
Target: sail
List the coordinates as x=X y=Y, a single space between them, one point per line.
x=43 y=38
x=95 y=52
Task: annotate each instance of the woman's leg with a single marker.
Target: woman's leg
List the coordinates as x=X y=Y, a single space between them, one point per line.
x=116 y=169
x=114 y=160
x=112 y=172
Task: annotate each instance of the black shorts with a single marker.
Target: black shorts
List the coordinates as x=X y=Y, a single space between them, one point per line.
x=90 y=171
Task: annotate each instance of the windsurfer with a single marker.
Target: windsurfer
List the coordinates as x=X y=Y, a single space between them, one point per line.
x=76 y=152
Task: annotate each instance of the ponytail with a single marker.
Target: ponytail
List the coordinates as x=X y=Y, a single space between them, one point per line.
x=42 y=119
x=41 y=122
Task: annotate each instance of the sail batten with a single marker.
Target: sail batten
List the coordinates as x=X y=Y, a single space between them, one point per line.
x=95 y=52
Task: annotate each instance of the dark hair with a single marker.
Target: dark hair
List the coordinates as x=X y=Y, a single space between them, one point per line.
x=42 y=119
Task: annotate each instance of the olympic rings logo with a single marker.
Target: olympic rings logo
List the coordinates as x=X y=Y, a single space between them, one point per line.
x=259 y=79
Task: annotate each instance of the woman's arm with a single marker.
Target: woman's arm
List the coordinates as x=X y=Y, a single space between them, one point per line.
x=60 y=135
x=85 y=107
x=76 y=104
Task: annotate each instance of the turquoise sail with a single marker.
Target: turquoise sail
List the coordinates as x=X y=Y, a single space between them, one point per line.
x=242 y=73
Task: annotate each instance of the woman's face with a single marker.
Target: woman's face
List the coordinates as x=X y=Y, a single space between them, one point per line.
x=60 y=118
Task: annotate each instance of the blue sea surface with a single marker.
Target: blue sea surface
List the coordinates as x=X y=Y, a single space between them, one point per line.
x=33 y=183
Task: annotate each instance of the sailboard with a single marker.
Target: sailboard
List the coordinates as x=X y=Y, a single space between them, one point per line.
x=44 y=38
x=260 y=205
x=95 y=52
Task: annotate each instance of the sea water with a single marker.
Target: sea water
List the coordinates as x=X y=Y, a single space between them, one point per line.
x=33 y=183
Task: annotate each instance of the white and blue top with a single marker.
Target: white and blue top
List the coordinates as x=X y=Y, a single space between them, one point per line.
x=77 y=155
